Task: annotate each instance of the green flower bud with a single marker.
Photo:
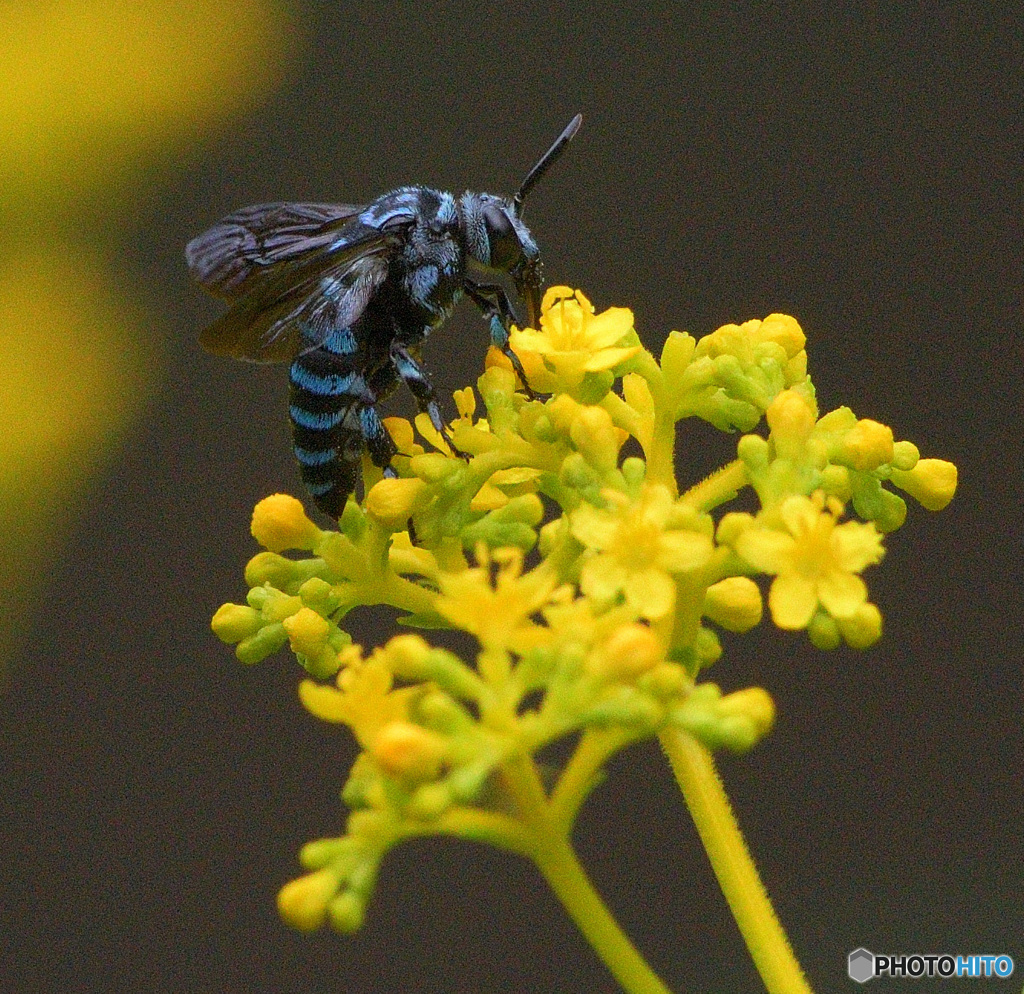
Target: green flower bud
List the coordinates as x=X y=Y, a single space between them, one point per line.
x=429 y=801
x=634 y=471
x=734 y=603
x=303 y=903
x=754 y=451
x=864 y=629
x=347 y=912
x=234 y=622
x=905 y=456
x=823 y=631
x=707 y=647
x=285 y=574
x=264 y=643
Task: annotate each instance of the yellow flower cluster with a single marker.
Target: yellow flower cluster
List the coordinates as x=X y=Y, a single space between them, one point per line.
x=594 y=590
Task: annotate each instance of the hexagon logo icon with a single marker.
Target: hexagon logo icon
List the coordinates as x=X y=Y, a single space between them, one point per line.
x=861 y=965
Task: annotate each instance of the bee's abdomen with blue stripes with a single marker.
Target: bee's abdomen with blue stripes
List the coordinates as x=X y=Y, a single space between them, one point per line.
x=327 y=408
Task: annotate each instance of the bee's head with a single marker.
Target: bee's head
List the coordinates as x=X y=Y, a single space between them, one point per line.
x=496 y=236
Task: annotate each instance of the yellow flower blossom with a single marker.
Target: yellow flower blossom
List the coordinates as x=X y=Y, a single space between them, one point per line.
x=499 y=614
x=816 y=560
x=572 y=340
x=603 y=639
x=363 y=696
x=638 y=547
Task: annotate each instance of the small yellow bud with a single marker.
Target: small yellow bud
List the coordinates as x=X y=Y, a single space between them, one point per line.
x=307 y=631
x=932 y=482
x=823 y=631
x=279 y=606
x=302 y=903
x=279 y=522
x=593 y=433
x=676 y=355
x=562 y=411
x=795 y=371
x=269 y=567
x=499 y=378
x=791 y=419
x=864 y=629
x=429 y=801
x=836 y=482
x=431 y=466
x=631 y=650
x=754 y=451
x=785 y=331
x=315 y=591
x=732 y=525
x=234 y=622
x=347 y=912
x=407 y=655
x=394 y=501
x=734 y=603
x=409 y=751
x=753 y=703
x=746 y=717
x=867 y=445
x=905 y=455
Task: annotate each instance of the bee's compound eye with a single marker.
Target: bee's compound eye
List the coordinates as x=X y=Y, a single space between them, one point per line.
x=504 y=242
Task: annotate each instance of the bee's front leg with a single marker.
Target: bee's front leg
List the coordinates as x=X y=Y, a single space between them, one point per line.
x=495 y=305
x=415 y=378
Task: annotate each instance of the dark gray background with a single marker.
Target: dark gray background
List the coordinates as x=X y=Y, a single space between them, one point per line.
x=857 y=170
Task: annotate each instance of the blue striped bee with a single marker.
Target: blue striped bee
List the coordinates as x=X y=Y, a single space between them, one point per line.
x=348 y=295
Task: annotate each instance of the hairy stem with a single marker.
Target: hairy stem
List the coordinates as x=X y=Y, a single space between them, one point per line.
x=705 y=796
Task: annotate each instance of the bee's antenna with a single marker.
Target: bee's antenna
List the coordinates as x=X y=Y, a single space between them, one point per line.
x=545 y=163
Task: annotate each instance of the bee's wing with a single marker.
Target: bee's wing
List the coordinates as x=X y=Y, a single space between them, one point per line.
x=247 y=247
x=297 y=303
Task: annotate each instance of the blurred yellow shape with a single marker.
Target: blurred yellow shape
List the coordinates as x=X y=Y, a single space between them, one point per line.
x=87 y=85
x=91 y=91
x=72 y=368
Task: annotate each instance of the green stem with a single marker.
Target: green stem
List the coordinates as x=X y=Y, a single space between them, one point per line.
x=563 y=872
x=661 y=458
x=560 y=867
x=720 y=486
x=582 y=773
x=712 y=814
